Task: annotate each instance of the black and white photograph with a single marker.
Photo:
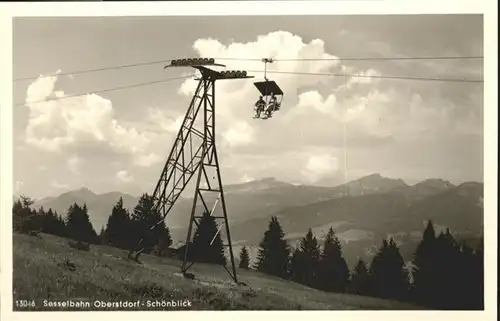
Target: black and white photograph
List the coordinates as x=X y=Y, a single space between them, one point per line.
x=268 y=162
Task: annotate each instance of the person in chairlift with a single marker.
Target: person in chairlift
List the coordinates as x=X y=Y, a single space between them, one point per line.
x=260 y=105
x=272 y=106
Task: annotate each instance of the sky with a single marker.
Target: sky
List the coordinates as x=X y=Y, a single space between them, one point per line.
x=329 y=129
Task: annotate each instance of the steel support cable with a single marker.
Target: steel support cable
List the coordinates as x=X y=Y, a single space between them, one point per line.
x=83 y=71
x=298 y=73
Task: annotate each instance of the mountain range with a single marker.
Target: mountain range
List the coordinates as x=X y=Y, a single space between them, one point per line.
x=361 y=212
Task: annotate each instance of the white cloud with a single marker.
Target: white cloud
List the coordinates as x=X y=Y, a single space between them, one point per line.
x=74 y=163
x=308 y=100
x=320 y=166
x=58 y=124
x=235 y=99
x=245 y=178
x=146 y=160
x=313 y=99
x=240 y=133
x=42 y=88
x=124 y=176
x=360 y=100
x=331 y=100
x=58 y=185
x=170 y=124
x=313 y=112
x=363 y=77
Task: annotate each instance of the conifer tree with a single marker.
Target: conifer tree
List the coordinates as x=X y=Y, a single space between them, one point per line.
x=23 y=215
x=147 y=226
x=102 y=236
x=165 y=240
x=18 y=215
x=388 y=276
x=424 y=268
x=273 y=256
x=445 y=275
x=333 y=269
x=62 y=229
x=448 y=277
x=78 y=225
x=37 y=219
x=296 y=270
x=308 y=260
x=118 y=226
x=207 y=243
x=50 y=223
x=468 y=279
x=359 y=279
x=53 y=223
x=244 y=258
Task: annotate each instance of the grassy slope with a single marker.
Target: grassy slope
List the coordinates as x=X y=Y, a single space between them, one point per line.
x=104 y=273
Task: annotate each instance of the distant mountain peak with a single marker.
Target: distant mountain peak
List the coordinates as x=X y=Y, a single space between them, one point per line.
x=436 y=182
x=378 y=178
x=85 y=189
x=256 y=185
x=82 y=192
x=470 y=188
x=374 y=175
x=470 y=185
x=268 y=180
x=373 y=183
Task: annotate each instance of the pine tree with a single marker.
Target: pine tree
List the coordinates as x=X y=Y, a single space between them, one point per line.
x=147 y=225
x=54 y=224
x=469 y=296
x=308 y=260
x=296 y=270
x=244 y=258
x=207 y=243
x=23 y=215
x=455 y=276
x=334 y=272
x=50 y=223
x=359 y=279
x=274 y=252
x=37 y=219
x=62 y=229
x=78 y=225
x=165 y=240
x=448 y=272
x=18 y=215
x=424 y=268
x=118 y=227
x=388 y=276
x=102 y=236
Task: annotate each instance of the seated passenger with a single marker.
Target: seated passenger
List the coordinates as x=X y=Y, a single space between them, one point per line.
x=259 y=106
x=274 y=101
x=273 y=105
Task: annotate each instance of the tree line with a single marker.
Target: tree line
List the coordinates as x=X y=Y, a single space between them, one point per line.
x=123 y=229
x=76 y=223
x=445 y=274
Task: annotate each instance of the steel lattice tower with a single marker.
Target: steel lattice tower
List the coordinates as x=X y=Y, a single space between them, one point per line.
x=194 y=152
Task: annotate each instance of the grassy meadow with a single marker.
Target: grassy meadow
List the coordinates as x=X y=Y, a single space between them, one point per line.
x=47 y=268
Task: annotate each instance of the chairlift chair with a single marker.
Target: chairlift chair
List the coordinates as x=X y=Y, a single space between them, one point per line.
x=267 y=89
